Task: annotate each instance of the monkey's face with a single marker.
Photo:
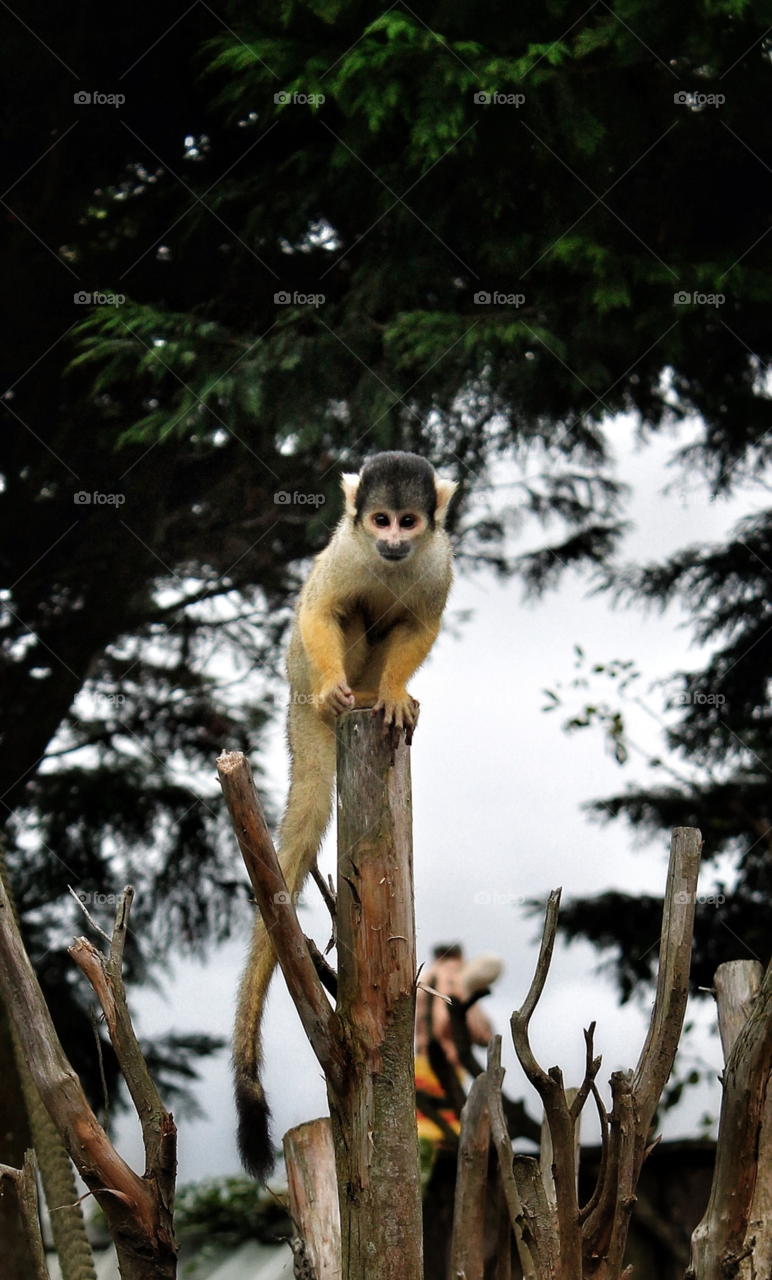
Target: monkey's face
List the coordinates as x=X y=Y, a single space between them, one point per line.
x=395 y=533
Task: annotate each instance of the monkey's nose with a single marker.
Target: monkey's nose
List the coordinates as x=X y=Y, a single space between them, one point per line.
x=393 y=550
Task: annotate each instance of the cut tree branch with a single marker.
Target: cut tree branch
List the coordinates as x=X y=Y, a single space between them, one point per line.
x=320 y=1022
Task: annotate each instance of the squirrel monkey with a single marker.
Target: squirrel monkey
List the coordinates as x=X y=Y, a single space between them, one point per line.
x=365 y=621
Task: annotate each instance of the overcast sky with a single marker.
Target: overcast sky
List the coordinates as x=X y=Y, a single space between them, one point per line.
x=497 y=795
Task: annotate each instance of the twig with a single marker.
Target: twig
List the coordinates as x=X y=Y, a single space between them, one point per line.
x=592 y=1067
x=23 y=1182
x=100 y=1057
x=88 y=914
x=549 y=1086
x=327 y=974
x=445 y=1073
x=326 y=890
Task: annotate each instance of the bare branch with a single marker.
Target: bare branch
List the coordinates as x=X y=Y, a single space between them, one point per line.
x=136 y=1215
x=549 y=1086
x=522 y=1017
x=592 y=1067
x=603 y=1118
x=327 y=975
x=319 y=1021
x=23 y=1182
x=97 y=927
x=467 y=1251
x=159 y=1134
x=493 y=1077
x=675 y=952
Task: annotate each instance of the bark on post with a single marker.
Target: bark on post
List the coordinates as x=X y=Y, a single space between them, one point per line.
x=25 y=1189
x=313 y=1194
x=373 y=1119
x=735 y=1235
x=467 y=1250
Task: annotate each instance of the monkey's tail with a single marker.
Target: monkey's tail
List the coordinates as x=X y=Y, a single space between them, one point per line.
x=312 y=744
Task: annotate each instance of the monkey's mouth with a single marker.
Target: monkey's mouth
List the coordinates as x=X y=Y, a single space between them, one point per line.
x=393 y=551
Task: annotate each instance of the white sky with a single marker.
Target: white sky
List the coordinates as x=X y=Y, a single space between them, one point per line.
x=497 y=790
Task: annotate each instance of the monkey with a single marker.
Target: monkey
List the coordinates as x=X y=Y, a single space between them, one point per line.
x=365 y=621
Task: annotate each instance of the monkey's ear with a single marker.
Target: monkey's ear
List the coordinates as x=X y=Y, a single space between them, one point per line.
x=445 y=490
x=349 y=483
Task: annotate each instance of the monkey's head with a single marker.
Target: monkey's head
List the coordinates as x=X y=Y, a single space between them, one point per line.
x=397 y=501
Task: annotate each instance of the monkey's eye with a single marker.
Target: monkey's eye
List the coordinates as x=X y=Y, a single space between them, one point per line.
x=382 y=520
x=407 y=522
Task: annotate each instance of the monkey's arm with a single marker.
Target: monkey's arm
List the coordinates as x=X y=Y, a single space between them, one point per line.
x=325 y=647
x=409 y=644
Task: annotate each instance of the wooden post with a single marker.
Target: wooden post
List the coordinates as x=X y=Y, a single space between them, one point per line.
x=735 y=1235
x=468 y=1251
x=313 y=1194
x=373 y=1118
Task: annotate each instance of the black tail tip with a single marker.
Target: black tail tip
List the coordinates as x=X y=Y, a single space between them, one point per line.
x=254 y=1135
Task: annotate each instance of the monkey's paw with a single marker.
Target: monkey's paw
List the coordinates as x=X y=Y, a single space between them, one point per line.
x=399 y=712
x=336 y=698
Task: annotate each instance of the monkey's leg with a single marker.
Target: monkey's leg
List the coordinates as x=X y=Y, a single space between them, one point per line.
x=312 y=744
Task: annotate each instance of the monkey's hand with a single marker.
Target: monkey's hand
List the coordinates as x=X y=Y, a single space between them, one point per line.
x=400 y=711
x=335 y=696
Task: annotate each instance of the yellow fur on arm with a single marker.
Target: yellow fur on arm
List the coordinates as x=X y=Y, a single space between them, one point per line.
x=410 y=645
x=323 y=642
